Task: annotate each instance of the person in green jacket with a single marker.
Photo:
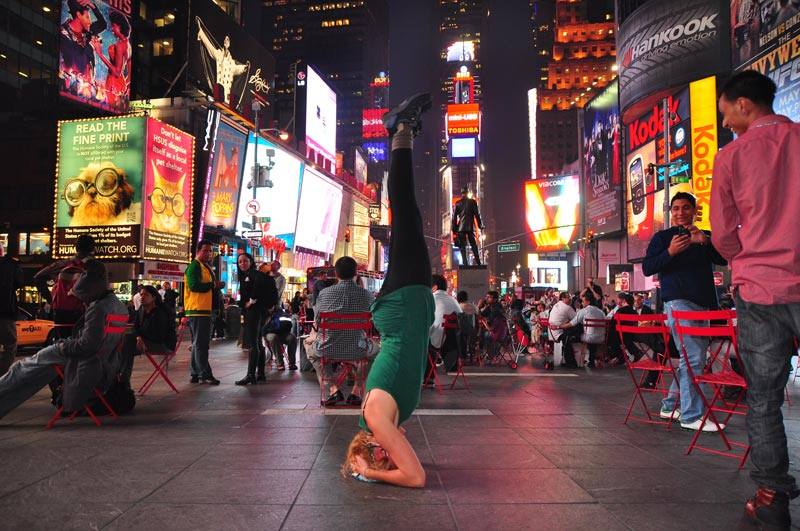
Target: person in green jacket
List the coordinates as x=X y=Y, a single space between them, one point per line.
x=198 y=301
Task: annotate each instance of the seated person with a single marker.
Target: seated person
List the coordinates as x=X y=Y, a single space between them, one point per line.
x=340 y=345
x=88 y=357
x=278 y=332
x=467 y=323
x=444 y=304
x=562 y=313
x=153 y=330
x=493 y=315
x=591 y=335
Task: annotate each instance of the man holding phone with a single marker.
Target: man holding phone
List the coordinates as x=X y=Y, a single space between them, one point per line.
x=684 y=259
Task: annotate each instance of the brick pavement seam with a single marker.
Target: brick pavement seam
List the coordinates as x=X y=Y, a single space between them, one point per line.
x=438 y=475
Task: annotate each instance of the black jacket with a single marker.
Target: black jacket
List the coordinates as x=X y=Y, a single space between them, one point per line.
x=253 y=284
x=11 y=279
x=465 y=215
x=157 y=326
x=688 y=275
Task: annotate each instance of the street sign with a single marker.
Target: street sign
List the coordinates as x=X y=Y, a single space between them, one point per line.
x=512 y=247
x=252 y=234
x=253 y=207
x=264 y=220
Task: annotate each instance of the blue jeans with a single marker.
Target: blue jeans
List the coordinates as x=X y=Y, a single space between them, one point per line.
x=765 y=349
x=27 y=376
x=696 y=347
x=200 y=325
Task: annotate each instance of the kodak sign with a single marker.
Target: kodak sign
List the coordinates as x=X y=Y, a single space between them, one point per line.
x=703 y=101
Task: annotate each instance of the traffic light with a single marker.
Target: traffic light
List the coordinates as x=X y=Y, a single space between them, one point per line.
x=347 y=235
x=589 y=237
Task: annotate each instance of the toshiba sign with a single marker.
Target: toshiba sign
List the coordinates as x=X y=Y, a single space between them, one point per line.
x=668 y=43
x=463 y=119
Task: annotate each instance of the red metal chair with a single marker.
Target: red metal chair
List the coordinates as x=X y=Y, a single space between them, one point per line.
x=358 y=367
x=650 y=325
x=451 y=327
x=725 y=377
x=115 y=324
x=161 y=368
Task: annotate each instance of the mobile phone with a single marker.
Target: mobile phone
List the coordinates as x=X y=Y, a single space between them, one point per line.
x=636 y=176
x=683 y=231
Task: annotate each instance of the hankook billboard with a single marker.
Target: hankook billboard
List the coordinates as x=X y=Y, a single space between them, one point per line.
x=669 y=43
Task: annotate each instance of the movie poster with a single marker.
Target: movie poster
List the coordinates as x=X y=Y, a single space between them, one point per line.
x=99 y=186
x=602 y=165
x=759 y=25
x=95 y=53
x=225 y=178
x=552 y=211
x=169 y=170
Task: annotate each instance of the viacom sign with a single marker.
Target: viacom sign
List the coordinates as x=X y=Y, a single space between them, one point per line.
x=668 y=43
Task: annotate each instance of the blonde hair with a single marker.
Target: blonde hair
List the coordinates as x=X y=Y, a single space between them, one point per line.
x=360 y=446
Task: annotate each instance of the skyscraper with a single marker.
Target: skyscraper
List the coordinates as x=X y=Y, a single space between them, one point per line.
x=347 y=42
x=582 y=62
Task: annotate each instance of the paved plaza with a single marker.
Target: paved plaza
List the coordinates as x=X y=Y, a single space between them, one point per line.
x=533 y=450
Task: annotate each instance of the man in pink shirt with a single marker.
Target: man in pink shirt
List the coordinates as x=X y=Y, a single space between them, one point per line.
x=756 y=184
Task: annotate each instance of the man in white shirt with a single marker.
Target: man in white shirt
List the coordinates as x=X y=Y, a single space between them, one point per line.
x=591 y=335
x=561 y=314
x=444 y=304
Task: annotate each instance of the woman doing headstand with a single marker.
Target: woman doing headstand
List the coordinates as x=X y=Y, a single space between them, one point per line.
x=402 y=313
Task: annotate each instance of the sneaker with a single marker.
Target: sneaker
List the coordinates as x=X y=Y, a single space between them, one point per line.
x=261 y=378
x=669 y=414
x=409 y=112
x=769 y=509
x=194 y=379
x=209 y=380
x=709 y=426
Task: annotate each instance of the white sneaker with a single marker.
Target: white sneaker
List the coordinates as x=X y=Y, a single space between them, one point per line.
x=669 y=414
x=709 y=425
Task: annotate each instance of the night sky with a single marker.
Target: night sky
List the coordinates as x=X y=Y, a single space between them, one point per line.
x=507 y=59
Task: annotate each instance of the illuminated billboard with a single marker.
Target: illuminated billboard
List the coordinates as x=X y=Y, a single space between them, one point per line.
x=278 y=203
x=463 y=119
x=782 y=64
x=461 y=52
x=602 y=161
x=372 y=123
x=361 y=168
x=757 y=27
x=376 y=151
x=94 y=60
x=461 y=148
x=320 y=116
x=321 y=204
x=225 y=177
x=552 y=211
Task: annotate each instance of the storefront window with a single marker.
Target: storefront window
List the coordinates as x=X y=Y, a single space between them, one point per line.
x=123 y=290
x=4 y=240
x=23 y=243
x=38 y=243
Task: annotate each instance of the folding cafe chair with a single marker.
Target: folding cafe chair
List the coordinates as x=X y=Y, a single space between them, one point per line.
x=357 y=367
x=115 y=324
x=160 y=368
x=725 y=376
x=646 y=325
x=451 y=332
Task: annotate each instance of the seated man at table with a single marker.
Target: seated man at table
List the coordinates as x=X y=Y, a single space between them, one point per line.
x=153 y=330
x=87 y=357
x=340 y=345
x=592 y=336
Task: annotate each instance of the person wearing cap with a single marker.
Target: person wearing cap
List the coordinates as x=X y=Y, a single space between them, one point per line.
x=90 y=357
x=465 y=215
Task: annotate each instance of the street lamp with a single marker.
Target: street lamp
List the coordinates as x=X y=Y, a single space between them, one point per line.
x=283 y=135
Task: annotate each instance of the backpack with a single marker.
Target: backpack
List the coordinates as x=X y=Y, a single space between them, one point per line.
x=62 y=300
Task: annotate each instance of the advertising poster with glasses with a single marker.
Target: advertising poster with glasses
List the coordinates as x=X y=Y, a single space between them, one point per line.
x=95 y=53
x=169 y=169
x=99 y=186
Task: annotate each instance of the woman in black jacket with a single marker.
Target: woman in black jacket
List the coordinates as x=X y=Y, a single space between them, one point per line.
x=257 y=294
x=153 y=329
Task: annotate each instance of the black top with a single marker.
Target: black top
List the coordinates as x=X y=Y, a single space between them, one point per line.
x=11 y=279
x=253 y=284
x=157 y=326
x=688 y=275
x=170 y=298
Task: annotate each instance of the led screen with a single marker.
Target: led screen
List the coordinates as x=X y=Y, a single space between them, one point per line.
x=551 y=211
x=463 y=148
x=320 y=115
x=278 y=203
x=320 y=204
